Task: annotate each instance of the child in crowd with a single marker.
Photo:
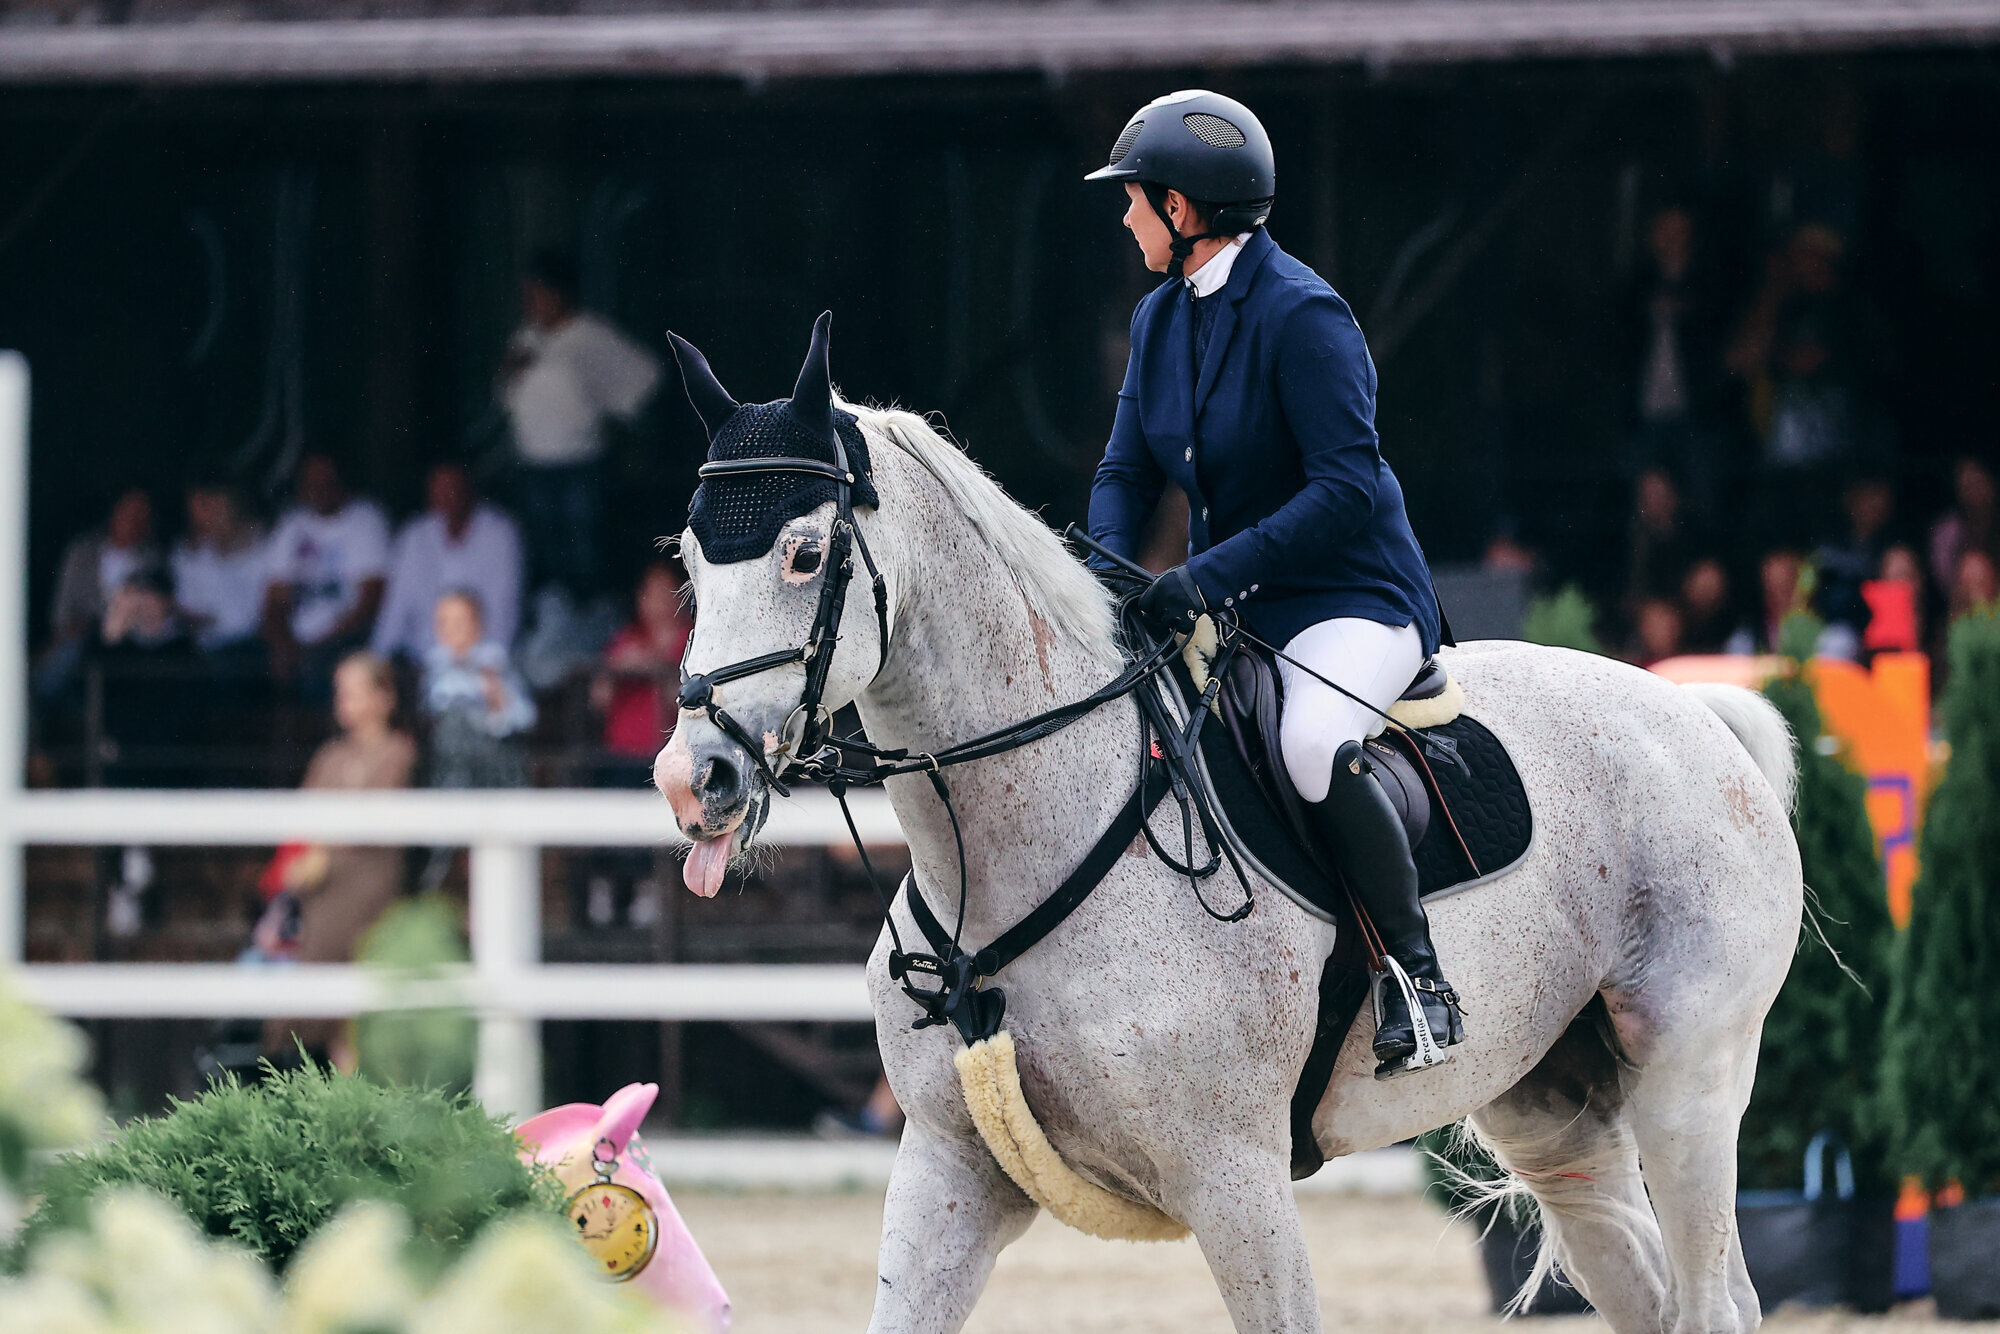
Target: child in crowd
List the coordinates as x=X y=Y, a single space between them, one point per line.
x=476 y=703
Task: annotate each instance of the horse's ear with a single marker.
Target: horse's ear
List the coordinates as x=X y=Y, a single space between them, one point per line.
x=711 y=401
x=812 y=396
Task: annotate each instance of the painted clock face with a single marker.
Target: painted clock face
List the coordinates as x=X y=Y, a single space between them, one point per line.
x=617 y=1227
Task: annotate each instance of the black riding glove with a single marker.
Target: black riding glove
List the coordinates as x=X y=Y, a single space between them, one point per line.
x=1173 y=601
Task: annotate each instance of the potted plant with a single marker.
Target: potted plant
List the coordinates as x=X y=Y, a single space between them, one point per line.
x=1941 y=1066
x=1456 y=1166
x=269 y=1164
x=1816 y=1207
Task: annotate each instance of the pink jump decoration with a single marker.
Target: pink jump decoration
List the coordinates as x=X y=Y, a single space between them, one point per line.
x=621 y=1211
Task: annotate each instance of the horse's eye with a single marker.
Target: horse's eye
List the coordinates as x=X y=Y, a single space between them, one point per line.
x=806 y=559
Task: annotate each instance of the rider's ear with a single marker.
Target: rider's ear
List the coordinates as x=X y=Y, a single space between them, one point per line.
x=711 y=401
x=812 y=396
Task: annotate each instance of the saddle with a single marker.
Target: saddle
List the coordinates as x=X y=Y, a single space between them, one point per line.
x=1449 y=778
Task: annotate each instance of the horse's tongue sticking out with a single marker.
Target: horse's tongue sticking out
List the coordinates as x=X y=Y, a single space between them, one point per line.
x=706 y=862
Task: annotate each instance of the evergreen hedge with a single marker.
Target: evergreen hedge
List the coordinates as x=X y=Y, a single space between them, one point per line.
x=268 y=1164
x=1562 y=620
x=1822 y=1039
x=1941 y=1068
x=417 y=940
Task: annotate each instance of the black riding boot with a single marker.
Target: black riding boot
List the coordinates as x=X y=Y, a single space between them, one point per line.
x=1365 y=834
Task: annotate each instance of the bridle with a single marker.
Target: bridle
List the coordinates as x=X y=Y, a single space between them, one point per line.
x=808 y=728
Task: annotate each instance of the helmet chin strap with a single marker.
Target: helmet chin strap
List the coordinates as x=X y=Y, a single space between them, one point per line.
x=1181 y=246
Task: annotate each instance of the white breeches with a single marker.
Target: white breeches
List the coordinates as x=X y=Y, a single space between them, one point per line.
x=1375 y=661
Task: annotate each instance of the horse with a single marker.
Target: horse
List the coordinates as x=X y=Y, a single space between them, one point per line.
x=1615 y=981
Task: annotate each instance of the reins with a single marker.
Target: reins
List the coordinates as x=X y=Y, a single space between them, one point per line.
x=808 y=748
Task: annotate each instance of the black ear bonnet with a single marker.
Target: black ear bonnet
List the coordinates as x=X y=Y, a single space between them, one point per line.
x=738 y=517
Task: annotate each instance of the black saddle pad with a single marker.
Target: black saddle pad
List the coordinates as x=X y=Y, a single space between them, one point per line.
x=1483 y=797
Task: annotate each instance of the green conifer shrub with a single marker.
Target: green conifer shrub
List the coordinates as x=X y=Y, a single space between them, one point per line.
x=268 y=1164
x=1564 y=620
x=1941 y=1072
x=417 y=940
x=1822 y=1039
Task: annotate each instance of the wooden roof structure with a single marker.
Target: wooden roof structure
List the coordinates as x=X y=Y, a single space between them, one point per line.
x=40 y=42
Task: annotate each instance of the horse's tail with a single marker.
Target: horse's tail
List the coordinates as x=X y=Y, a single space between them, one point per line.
x=1762 y=730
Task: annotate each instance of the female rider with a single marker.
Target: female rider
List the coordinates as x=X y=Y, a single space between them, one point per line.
x=1250 y=387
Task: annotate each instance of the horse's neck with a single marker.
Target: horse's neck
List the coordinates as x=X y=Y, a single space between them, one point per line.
x=969 y=658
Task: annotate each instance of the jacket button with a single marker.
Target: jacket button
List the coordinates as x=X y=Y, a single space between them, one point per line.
x=1204 y=514
x=1229 y=602
x=1189 y=454
x=1255 y=587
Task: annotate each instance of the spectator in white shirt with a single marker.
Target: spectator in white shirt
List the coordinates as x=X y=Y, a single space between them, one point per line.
x=567 y=372
x=458 y=543
x=329 y=562
x=219 y=571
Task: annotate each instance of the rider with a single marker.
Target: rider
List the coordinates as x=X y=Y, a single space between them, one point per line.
x=1250 y=387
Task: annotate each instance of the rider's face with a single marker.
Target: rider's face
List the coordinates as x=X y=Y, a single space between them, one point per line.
x=1148 y=230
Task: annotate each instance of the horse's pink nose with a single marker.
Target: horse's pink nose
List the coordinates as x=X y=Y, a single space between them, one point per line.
x=706 y=780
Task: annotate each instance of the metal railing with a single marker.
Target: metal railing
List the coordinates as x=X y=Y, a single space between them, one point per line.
x=507 y=985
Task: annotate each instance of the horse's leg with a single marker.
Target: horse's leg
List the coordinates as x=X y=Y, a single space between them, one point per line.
x=1241 y=1211
x=949 y=1212
x=1685 y=1106
x=1563 y=1131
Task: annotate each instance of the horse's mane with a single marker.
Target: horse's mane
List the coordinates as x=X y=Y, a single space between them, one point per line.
x=1056 y=586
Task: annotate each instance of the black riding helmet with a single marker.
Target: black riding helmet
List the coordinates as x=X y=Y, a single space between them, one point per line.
x=1209 y=147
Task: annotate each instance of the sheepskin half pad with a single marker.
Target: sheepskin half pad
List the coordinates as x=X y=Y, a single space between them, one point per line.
x=992 y=1083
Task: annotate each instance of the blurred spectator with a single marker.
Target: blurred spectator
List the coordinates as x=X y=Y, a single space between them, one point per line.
x=1506 y=554
x=342 y=890
x=95 y=566
x=141 y=615
x=141 y=710
x=565 y=372
x=144 y=703
x=1704 y=607
x=1657 y=632
x=1846 y=564
x=1809 y=354
x=1676 y=362
x=1973 y=585
x=220 y=569
x=1895 y=599
x=328 y=562
x=1781 y=578
x=1778 y=577
x=460 y=542
x=1970 y=524
x=633 y=690
x=1897 y=603
x=1659 y=547
x=474 y=701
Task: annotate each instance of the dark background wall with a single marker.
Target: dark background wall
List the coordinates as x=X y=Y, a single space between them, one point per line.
x=219 y=277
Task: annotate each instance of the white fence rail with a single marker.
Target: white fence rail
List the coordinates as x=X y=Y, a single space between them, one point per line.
x=507 y=985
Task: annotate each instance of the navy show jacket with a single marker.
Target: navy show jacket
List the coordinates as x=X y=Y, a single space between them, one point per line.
x=1293 y=516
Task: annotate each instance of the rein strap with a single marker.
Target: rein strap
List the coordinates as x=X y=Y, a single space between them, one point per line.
x=960 y=996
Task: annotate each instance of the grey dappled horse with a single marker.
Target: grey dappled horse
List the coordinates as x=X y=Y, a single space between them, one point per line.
x=1159 y=1047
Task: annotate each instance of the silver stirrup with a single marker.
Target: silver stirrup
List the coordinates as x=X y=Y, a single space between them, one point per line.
x=1428 y=1052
